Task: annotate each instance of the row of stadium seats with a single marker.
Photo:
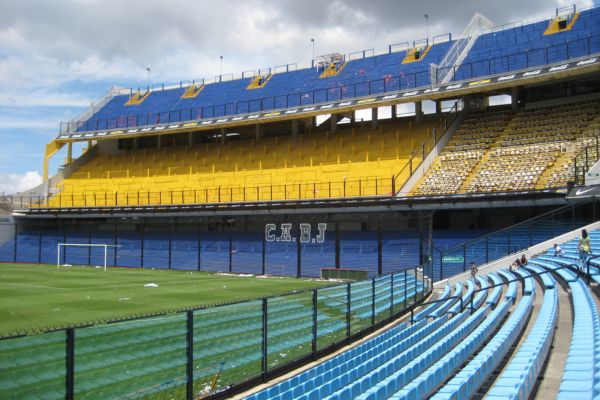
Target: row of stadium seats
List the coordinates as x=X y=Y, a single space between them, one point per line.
x=500 y=151
x=494 y=52
x=419 y=362
x=357 y=162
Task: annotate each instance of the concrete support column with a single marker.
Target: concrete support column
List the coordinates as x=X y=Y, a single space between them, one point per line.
x=158 y=141
x=374 y=117
x=295 y=128
x=568 y=89
x=136 y=143
x=190 y=138
x=514 y=94
x=485 y=103
x=309 y=123
x=438 y=108
x=69 y=152
x=333 y=123
x=418 y=112
x=394 y=111
x=259 y=132
x=223 y=135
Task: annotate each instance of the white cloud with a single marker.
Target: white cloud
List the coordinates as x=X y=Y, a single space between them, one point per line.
x=16 y=183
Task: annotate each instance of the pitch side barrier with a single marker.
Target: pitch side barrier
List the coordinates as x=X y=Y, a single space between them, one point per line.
x=245 y=342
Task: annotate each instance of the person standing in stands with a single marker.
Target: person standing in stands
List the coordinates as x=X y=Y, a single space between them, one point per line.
x=584 y=247
x=474 y=269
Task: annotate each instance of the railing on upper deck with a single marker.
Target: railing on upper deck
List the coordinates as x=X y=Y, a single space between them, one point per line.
x=346 y=89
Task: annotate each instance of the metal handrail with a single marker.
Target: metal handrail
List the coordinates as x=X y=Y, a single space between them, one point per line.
x=422 y=149
x=459 y=297
x=517 y=225
x=519 y=278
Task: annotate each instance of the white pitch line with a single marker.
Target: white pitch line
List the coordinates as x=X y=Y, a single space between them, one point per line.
x=91 y=287
x=35 y=286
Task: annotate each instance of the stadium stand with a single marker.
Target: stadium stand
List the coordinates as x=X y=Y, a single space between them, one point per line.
x=501 y=50
x=359 y=77
x=489 y=336
x=360 y=162
x=525 y=46
x=500 y=151
x=422 y=362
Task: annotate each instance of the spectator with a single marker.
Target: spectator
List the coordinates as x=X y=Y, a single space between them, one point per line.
x=474 y=269
x=515 y=265
x=558 y=252
x=584 y=247
x=523 y=260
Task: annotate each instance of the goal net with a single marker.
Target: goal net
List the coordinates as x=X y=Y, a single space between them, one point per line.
x=61 y=247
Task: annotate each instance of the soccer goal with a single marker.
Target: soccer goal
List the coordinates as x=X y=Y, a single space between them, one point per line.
x=64 y=245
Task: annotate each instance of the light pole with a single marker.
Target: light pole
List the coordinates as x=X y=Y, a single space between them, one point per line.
x=427 y=23
x=313 y=52
x=148 y=71
x=221 y=69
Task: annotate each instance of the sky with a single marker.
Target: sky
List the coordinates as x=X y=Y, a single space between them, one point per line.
x=56 y=57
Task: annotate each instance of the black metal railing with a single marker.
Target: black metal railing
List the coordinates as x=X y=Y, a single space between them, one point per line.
x=513 y=239
x=585 y=160
x=417 y=157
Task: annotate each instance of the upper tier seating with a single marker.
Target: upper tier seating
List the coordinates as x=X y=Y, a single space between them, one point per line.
x=288 y=89
x=357 y=162
x=499 y=151
x=526 y=46
x=494 y=52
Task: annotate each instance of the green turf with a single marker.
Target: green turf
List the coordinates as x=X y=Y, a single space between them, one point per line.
x=35 y=297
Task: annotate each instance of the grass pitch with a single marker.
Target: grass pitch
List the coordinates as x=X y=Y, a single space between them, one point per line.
x=36 y=297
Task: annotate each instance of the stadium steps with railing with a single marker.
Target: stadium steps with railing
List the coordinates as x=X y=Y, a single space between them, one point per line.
x=500 y=353
x=566 y=157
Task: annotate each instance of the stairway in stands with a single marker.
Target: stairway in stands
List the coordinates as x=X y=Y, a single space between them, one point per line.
x=494 y=336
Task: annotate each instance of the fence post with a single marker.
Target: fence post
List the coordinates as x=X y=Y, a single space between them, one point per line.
x=264 y=339
x=348 y=309
x=314 y=323
x=487 y=251
x=190 y=356
x=70 y=364
x=373 y=303
x=391 y=295
x=406 y=288
x=471 y=310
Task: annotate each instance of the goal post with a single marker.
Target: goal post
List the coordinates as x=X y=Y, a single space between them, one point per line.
x=105 y=246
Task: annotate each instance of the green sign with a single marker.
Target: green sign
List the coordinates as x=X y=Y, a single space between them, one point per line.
x=453 y=259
